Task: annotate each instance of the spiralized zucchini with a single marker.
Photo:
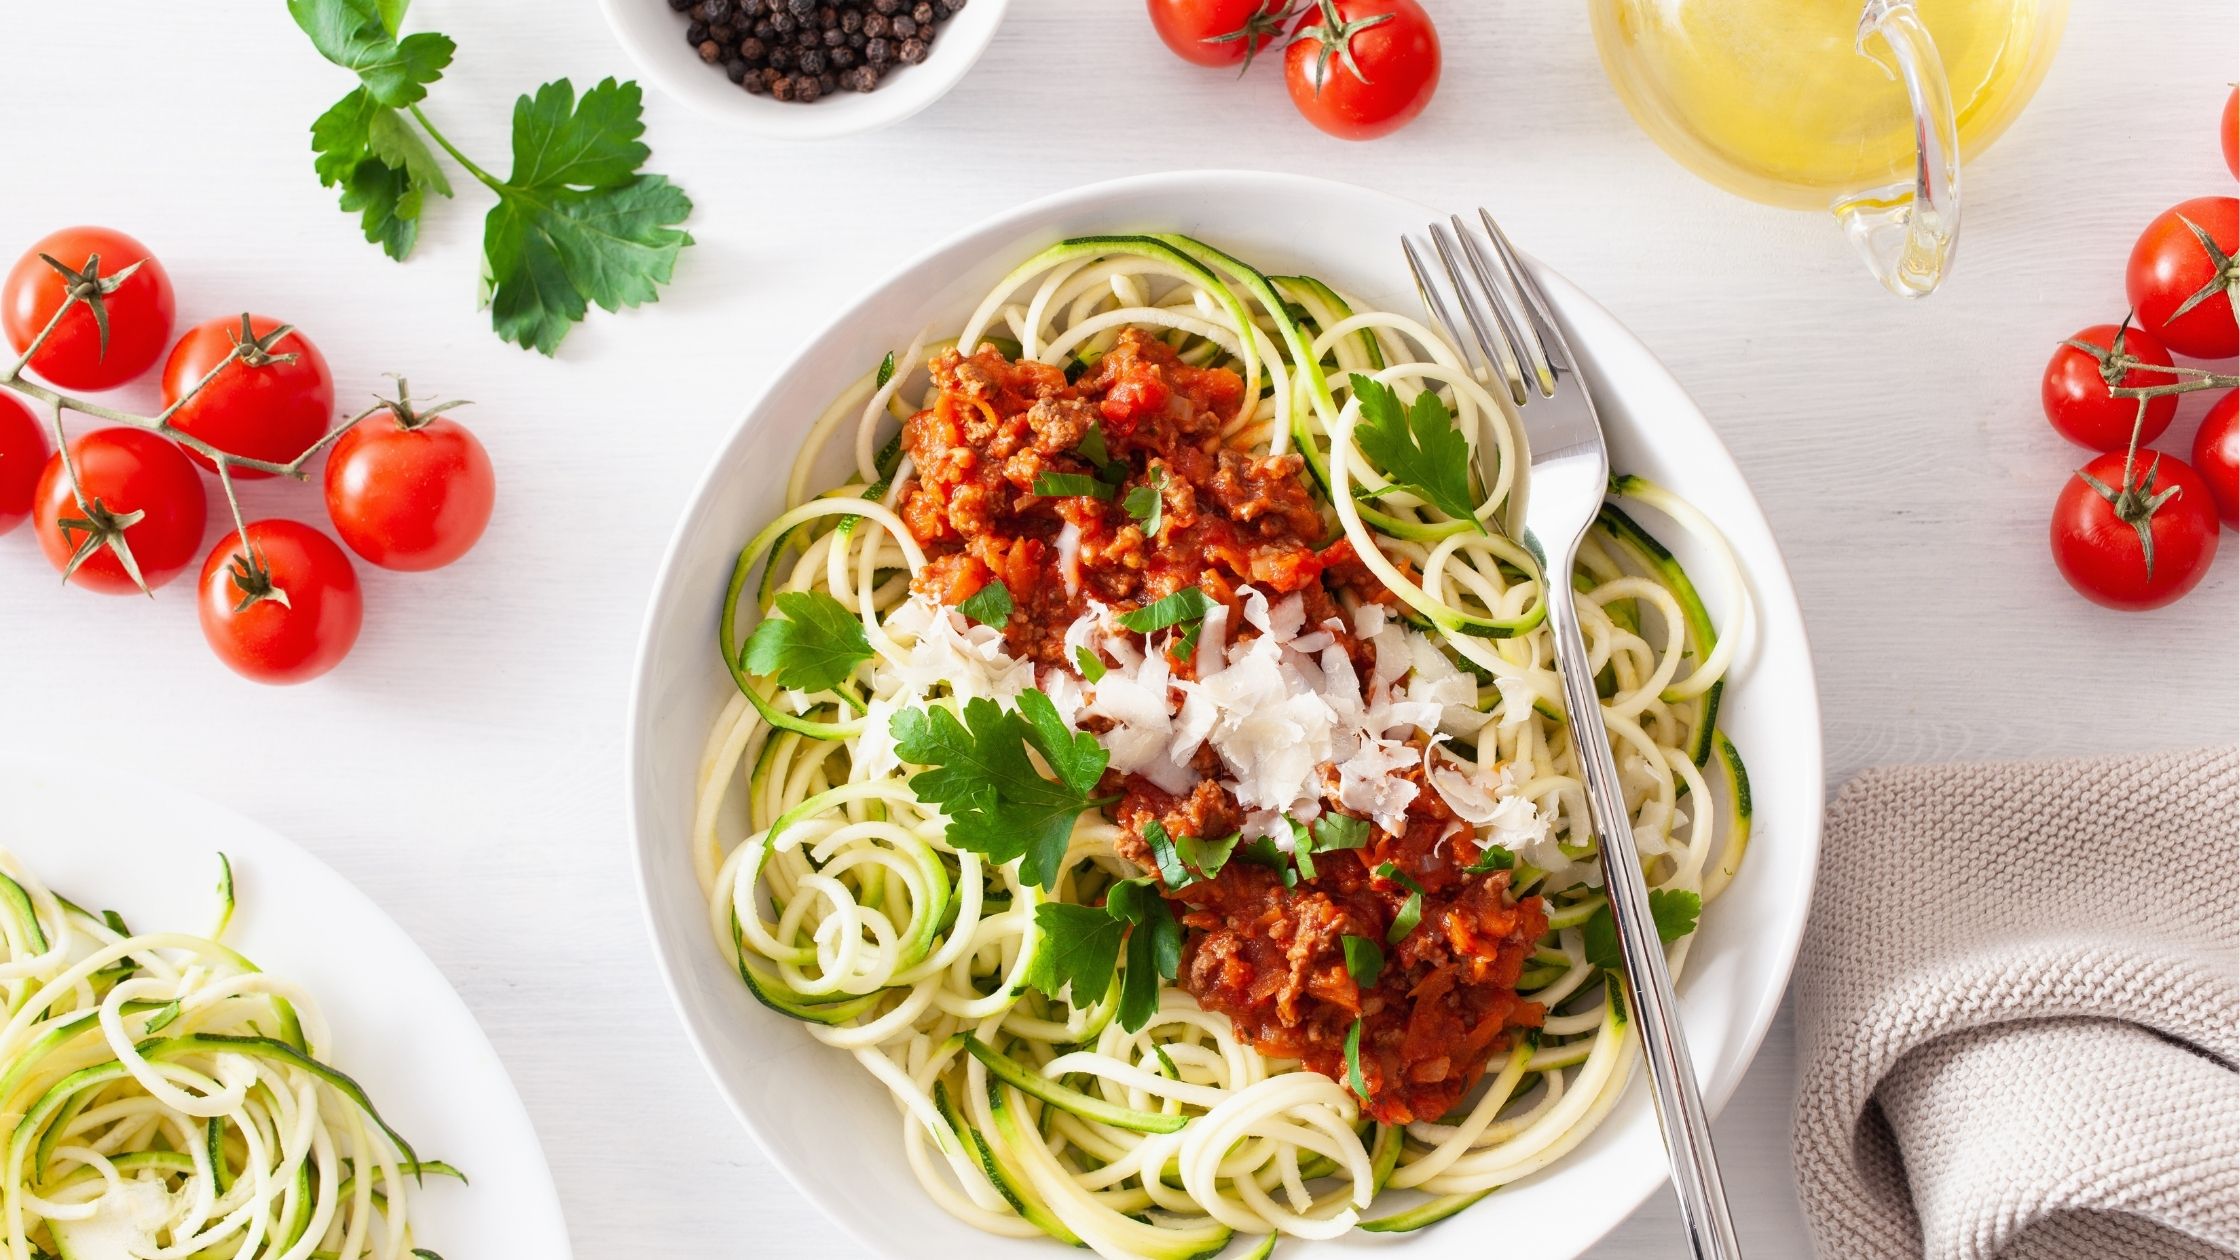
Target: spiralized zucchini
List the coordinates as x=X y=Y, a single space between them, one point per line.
x=845 y=907
x=161 y=1096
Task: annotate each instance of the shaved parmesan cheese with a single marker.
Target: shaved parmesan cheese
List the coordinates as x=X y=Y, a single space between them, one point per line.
x=941 y=648
x=1137 y=704
x=1369 y=782
x=1069 y=557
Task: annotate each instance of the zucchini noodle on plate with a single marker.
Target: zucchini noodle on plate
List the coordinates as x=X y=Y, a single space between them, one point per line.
x=161 y=1096
x=1155 y=774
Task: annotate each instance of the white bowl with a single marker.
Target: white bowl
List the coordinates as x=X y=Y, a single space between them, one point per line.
x=654 y=35
x=825 y=1121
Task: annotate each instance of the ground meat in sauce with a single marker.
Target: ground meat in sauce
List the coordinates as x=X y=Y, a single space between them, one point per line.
x=1271 y=958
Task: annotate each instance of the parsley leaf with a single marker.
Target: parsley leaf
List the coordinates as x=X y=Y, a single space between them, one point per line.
x=575 y=224
x=1092 y=446
x=1302 y=848
x=1674 y=909
x=1071 y=486
x=1262 y=851
x=1419 y=448
x=1154 y=949
x=1092 y=668
x=811 y=646
x=991 y=605
x=1171 y=870
x=1411 y=910
x=981 y=777
x=1333 y=830
x=1353 y=1061
x=1364 y=960
x=1492 y=858
x=1186 y=605
x=1147 y=505
x=1083 y=945
x=1207 y=857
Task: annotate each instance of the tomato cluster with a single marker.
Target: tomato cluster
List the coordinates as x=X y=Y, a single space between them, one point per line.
x=123 y=509
x=1357 y=69
x=2137 y=528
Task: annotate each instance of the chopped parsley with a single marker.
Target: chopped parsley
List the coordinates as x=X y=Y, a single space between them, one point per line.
x=811 y=645
x=1154 y=948
x=1418 y=447
x=1207 y=857
x=1364 y=960
x=979 y=773
x=1333 y=830
x=1146 y=504
x=991 y=605
x=1353 y=1061
x=1302 y=848
x=1082 y=944
x=1092 y=447
x=1492 y=858
x=1185 y=607
x=1411 y=910
x=1092 y=668
x=1171 y=870
x=1674 y=909
x=1056 y=485
x=1262 y=851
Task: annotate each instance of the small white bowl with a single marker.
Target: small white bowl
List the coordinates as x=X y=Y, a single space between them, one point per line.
x=653 y=33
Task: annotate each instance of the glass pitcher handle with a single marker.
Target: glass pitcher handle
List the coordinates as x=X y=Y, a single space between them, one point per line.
x=1907 y=231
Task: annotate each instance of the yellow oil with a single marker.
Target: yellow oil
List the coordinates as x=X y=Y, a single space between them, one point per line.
x=1772 y=98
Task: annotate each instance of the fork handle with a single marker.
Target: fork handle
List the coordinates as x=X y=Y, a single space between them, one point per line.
x=1672 y=1077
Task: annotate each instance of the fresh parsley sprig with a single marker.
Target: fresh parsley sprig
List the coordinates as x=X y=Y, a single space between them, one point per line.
x=576 y=222
x=811 y=645
x=979 y=773
x=1419 y=447
x=991 y=605
x=1082 y=946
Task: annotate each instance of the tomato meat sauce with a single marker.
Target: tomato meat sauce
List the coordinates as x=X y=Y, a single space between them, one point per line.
x=1024 y=477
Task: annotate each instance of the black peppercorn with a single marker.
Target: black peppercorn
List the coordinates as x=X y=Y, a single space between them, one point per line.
x=827 y=15
x=953 y=7
x=834 y=37
x=804 y=50
x=860 y=79
x=753 y=51
x=874 y=25
x=878 y=52
x=922 y=12
x=802 y=10
x=913 y=51
x=904 y=26
x=886 y=8
x=736 y=69
x=843 y=58
x=810 y=62
x=696 y=33
x=680 y=5
x=782 y=23
x=780 y=59
x=781 y=88
x=710 y=51
x=806 y=89
x=754 y=84
x=851 y=22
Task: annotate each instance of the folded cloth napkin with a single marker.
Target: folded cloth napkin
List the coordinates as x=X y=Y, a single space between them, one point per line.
x=2018 y=1013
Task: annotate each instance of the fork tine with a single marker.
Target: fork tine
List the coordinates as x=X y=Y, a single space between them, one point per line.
x=1500 y=286
x=1437 y=305
x=1499 y=346
x=1546 y=332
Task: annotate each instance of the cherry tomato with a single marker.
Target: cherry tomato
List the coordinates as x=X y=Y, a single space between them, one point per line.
x=73 y=355
x=286 y=608
x=2097 y=543
x=409 y=492
x=23 y=456
x=2075 y=391
x=2171 y=267
x=2216 y=455
x=122 y=473
x=273 y=404
x=2228 y=131
x=1360 y=69
x=1218 y=32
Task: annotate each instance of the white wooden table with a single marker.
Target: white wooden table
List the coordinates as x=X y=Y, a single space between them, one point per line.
x=464 y=767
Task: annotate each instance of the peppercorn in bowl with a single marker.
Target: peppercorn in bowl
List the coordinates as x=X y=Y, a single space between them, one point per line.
x=806 y=69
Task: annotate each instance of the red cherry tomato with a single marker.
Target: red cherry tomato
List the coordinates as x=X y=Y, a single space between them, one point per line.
x=411 y=494
x=1360 y=69
x=274 y=404
x=2216 y=455
x=286 y=608
x=73 y=356
x=23 y=456
x=2075 y=391
x=2171 y=267
x=2228 y=131
x=121 y=472
x=2097 y=544
x=1218 y=32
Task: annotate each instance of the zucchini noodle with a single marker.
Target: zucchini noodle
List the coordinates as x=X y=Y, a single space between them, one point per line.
x=845 y=906
x=162 y=1097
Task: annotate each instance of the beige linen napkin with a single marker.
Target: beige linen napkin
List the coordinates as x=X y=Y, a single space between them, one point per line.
x=2018 y=1013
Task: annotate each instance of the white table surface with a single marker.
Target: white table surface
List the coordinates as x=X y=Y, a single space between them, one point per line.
x=464 y=767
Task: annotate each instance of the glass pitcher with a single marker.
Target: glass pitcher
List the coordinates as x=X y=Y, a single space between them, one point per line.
x=1865 y=107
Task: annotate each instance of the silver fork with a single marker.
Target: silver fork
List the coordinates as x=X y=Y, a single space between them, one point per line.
x=1509 y=319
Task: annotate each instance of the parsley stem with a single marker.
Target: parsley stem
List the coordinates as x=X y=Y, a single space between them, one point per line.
x=491 y=181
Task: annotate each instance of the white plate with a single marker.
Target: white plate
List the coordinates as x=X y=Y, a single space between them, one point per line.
x=826 y=1122
x=150 y=852
x=653 y=34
